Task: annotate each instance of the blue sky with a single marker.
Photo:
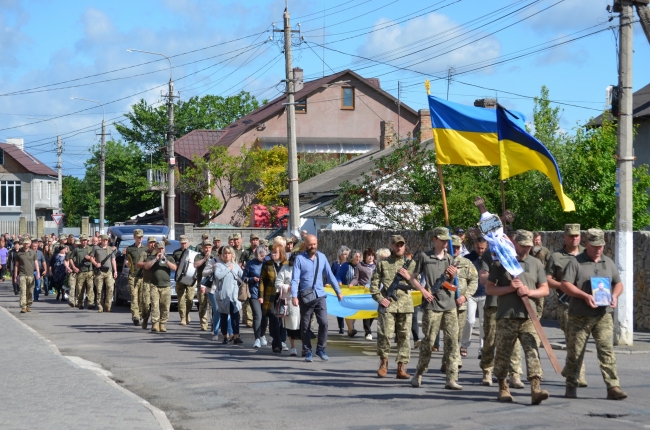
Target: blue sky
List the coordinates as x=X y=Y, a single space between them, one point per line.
x=47 y=42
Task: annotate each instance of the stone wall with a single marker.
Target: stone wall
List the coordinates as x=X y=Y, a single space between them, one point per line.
x=194 y=233
x=329 y=241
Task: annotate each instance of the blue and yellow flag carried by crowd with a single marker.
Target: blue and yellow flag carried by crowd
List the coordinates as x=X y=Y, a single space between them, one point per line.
x=474 y=136
x=521 y=152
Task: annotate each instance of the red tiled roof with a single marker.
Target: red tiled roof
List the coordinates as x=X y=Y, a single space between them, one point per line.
x=197 y=142
x=27 y=160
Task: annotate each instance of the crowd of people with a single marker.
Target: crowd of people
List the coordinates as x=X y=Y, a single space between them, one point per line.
x=281 y=287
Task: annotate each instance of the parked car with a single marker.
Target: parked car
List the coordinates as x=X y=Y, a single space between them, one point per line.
x=122 y=293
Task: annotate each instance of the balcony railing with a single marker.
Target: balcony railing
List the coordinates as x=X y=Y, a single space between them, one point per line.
x=157 y=180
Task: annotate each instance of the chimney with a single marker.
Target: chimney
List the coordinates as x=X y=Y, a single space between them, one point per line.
x=426 y=132
x=298 y=77
x=18 y=141
x=374 y=82
x=486 y=103
x=387 y=137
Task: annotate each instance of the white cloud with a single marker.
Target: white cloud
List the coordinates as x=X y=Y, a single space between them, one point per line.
x=431 y=34
x=12 y=19
x=570 y=15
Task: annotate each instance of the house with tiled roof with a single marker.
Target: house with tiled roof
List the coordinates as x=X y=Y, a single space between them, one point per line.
x=340 y=114
x=28 y=188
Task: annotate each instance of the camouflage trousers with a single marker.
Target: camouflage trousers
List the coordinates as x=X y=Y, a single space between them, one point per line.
x=432 y=322
x=489 y=338
x=462 y=316
x=72 y=294
x=135 y=285
x=203 y=308
x=562 y=317
x=539 y=306
x=387 y=325
x=26 y=290
x=85 y=286
x=161 y=298
x=145 y=301
x=185 y=294
x=579 y=329
x=246 y=313
x=508 y=331
x=104 y=282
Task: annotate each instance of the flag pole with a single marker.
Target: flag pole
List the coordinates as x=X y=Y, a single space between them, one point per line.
x=503 y=198
x=444 y=195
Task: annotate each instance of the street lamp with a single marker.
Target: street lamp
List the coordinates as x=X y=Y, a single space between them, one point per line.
x=102 y=170
x=171 y=206
x=59 y=168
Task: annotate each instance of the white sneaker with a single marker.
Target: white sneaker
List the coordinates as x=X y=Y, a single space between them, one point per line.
x=285 y=347
x=263 y=340
x=368 y=337
x=256 y=344
x=293 y=352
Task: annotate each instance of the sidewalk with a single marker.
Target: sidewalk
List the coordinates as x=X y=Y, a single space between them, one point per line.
x=43 y=389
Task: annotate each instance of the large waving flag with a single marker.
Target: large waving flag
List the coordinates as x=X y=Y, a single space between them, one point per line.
x=521 y=152
x=464 y=135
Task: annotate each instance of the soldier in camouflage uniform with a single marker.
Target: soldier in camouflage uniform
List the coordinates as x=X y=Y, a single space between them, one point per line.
x=555 y=266
x=80 y=264
x=249 y=253
x=103 y=258
x=585 y=318
x=440 y=312
x=135 y=274
x=72 y=275
x=145 y=291
x=216 y=244
x=489 y=333
x=199 y=246
x=467 y=284
x=398 y=313
x=161 y=294
x=199 y=264
x=513 y=321
x=542 y=253
x=185 y=293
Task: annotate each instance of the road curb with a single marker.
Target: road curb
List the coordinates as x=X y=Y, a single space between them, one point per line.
x=159 y=415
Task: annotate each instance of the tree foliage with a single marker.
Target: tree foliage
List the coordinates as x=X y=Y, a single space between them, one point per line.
x=586 y=160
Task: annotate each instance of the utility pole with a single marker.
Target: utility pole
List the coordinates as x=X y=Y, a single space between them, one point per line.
x=294 y=206
x=624 y=318
x=59 y=168
x=399 y=105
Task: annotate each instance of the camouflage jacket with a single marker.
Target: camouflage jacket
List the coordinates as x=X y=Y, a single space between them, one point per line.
x=467 y=279
x=383 y=277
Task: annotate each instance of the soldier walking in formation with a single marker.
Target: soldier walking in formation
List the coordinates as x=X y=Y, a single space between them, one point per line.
x=587 y=319
x=441 y=312
x=513 y=321
x=26 y=267
x=103 y=258
x=555 y=266
x=199 y=265
x=145 y=300
x=133 y=255
x=184 y=292
x=160 y=266
x=79 y=262
x=396 y=314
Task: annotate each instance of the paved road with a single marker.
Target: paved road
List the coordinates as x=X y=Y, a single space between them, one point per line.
x=202 y=385
x=43 y=389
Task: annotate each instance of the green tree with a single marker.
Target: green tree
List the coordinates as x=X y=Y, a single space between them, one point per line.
x=310 y=165
x=148 y=125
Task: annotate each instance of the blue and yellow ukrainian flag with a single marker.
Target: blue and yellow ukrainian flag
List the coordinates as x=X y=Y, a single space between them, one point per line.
x=521 y=152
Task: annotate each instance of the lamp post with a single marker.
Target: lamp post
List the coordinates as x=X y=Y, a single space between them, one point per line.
x=102 y=169
x=171 y=207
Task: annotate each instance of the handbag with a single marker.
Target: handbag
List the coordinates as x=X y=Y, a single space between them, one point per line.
x=243 y=294
x=281 y=308
x=308 y=295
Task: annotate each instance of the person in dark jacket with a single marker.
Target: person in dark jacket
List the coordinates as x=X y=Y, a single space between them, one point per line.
x=251 y=276
x=344 y=276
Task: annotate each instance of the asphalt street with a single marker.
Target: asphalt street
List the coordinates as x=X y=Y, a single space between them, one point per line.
x=200 y=384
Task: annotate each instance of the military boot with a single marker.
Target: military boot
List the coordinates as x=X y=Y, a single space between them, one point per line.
x=416 y=380
x=452 y=385
x=537 y=394
x=155 y=328
x=100 y=309
x=401 y=371
x=183 y=321
x=383 y=367
x=571 y=392
x=29 y=308
x=582 y=381
x=487 y=378
x=515 y=381
x=187 y=318
x=504 y=392
x=615 y=393
x=163 y=329
x=23 y=310
x=145 y=322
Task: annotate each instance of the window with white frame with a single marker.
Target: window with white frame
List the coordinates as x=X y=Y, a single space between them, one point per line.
x=10 y=193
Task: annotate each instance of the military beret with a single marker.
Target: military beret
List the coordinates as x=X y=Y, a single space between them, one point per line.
x=595 y=237
x=524 y=237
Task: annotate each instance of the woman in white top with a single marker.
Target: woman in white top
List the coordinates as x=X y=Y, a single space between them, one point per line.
x=226 y=290
x=292 y=321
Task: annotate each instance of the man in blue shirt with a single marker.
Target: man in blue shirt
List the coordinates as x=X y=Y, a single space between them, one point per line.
x=308 y=271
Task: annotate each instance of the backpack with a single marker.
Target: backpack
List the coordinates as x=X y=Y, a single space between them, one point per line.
x=58 y=271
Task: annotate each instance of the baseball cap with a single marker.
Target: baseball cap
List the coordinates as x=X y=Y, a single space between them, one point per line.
x=455 y=240
x=27 y=241
x=83 y=237
x=151 y=239
x=104 y=237
x=236 y=236
x=441 y=233
x=216 y=238
x=77 y=242
x=231 y=237
x=396 y=238
x=524 y=237
x=205 y=236
x=459 y=231
x=183 y=239
x=595 y=237
x=572 y=229
x=206 y=242
x=138 y=232
x=160 y=245
x=254 y=236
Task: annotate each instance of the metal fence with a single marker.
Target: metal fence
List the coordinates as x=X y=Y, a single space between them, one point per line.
x=13 y=227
